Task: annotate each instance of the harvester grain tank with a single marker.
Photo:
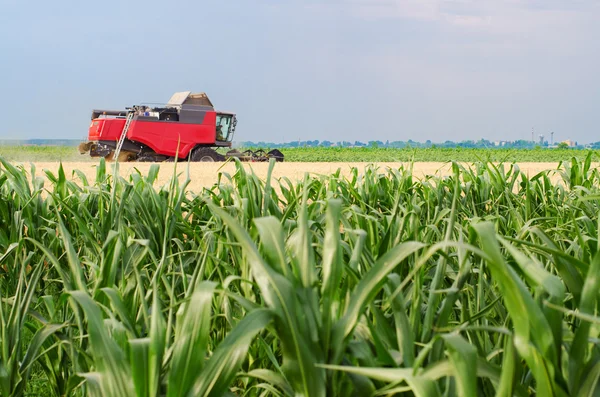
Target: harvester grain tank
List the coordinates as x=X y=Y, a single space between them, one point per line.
x=187 y=127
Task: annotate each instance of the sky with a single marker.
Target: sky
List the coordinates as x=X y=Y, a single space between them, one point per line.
x=316 y=69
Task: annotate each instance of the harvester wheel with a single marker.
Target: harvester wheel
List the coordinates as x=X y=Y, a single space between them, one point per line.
x=207 y=155
x=124 y=156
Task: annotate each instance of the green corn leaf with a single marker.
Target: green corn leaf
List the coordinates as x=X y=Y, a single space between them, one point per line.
x=230 y=354
x=368 y=287
x=112 y=365
x=279 y=294
x=463 y=356
x=138 y=358
x=420 y=386
x=191 y=340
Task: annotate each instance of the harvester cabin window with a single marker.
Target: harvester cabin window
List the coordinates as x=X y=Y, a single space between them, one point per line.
x=169 y=115
x=223 y=127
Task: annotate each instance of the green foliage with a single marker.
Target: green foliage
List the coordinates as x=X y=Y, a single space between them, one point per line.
x=375 y=153
x=431 y=154
x=481 y=283
x=32 y=153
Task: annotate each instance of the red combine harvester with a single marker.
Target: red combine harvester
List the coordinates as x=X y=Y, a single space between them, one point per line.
x=187 y=127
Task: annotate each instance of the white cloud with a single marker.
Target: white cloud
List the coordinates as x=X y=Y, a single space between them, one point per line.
x=495 y=16
x=490 y=65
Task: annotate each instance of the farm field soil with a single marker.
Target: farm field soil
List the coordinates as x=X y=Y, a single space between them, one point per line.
x=205 y=174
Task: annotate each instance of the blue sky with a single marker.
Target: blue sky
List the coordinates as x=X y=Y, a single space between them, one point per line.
x=315 y=69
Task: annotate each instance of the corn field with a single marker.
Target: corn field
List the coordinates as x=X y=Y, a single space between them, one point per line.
x=482 y=283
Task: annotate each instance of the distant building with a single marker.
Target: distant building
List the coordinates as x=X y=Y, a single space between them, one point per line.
x=570 y=143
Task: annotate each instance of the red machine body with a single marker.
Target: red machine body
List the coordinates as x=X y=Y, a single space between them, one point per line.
x=187 y=127
x=169 y=138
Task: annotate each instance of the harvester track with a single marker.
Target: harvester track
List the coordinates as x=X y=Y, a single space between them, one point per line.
x=200 y=154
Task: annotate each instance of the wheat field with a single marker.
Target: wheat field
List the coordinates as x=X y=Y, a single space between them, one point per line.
x=204 y=175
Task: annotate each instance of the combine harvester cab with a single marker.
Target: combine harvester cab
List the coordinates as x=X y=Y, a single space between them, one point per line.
x=187 y=127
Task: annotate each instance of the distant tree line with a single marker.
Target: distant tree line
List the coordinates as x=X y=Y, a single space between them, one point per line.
x=482 y=143
x=40 y=142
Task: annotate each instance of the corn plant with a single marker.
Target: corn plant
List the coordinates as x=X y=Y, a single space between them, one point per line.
x=480 y=282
